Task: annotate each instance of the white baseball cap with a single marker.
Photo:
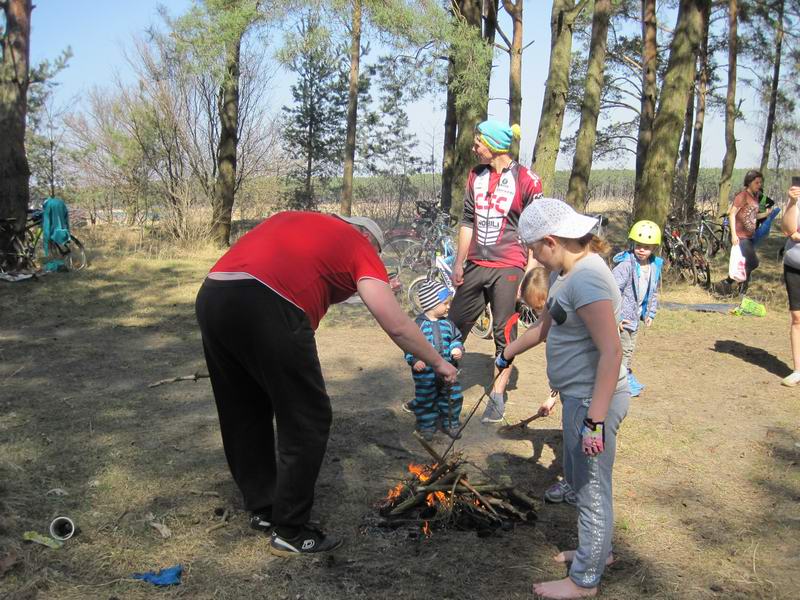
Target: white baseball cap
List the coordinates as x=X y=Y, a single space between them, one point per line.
x=367 y=224
x=549 y=216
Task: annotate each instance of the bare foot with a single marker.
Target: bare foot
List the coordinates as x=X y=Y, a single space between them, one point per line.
x=563 y=589
x=569 y=555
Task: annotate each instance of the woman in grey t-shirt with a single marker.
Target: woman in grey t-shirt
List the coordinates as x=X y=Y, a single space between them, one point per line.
x=791 y=277
x=584 y=363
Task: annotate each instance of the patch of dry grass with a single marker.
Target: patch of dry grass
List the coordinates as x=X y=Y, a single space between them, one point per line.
x=707 y=482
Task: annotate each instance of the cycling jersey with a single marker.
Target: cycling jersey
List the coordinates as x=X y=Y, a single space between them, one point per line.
x=492 y=207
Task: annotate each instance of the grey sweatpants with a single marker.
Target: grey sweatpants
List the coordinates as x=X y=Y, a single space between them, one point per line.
x=590 y=477
x=628 y=341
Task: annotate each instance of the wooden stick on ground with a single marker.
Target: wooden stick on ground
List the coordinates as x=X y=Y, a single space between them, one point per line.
x=429 y=449
x=478 y=495
x=221 y=524
x=194 y=377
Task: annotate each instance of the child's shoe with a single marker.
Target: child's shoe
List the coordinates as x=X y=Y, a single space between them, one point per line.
x=634 y=385
x=427 y=433
x=453 y=431
x=559 y=492
x=495 y=409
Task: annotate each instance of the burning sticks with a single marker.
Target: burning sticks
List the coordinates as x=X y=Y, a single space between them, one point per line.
x=442 y=494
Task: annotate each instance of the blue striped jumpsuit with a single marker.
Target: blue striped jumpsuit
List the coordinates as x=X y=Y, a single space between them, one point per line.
x=432 y=399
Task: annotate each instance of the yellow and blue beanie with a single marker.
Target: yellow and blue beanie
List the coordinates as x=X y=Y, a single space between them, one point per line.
x=498 y=136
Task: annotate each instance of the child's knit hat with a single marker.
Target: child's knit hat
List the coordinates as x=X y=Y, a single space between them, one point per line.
x=431 y=293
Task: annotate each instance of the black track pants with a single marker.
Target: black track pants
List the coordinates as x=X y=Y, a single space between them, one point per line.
x=262 y=359
x=484 y=285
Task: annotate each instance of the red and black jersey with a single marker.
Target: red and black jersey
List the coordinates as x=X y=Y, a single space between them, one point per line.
x=312 y=260
x=492 y=207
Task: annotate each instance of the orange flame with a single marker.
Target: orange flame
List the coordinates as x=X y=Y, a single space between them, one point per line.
x=394 y=493
x=426 y=529
x=422 y=472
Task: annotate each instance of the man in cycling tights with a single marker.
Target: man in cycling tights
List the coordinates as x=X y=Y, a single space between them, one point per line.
x=491 y=261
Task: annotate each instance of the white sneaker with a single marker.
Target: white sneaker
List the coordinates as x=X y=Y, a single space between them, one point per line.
x=792 y=379
x=495 y=408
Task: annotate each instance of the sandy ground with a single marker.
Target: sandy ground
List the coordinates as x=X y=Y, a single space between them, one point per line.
x=707 y=484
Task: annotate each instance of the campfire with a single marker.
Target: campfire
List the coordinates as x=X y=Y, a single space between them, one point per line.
x=443 y=494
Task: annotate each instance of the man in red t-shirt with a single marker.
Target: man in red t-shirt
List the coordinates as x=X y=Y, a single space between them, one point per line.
x=498 y=190
x=258 y=310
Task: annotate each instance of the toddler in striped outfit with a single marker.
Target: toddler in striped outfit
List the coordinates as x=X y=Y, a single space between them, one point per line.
x=435 y=405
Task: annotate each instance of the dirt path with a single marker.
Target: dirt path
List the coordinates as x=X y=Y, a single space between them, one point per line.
x=707 y=482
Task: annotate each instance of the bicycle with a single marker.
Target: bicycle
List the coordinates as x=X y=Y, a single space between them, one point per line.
x=683 y=263
x=708 y=236
x=440 y=260
x=24 y=246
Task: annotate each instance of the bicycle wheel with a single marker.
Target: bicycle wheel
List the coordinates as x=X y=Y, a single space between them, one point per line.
x=393 y=252
x=680 y=266
x=413 y=294
x=527 y=316
x=702 y=269
x=73 y=254
x=416 y=259
x=702 y=242
x=483 y=326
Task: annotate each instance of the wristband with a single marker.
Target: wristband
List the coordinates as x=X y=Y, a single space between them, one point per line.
x=501 y=362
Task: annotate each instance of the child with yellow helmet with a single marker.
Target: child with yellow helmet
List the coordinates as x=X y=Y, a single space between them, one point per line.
x=637 y=273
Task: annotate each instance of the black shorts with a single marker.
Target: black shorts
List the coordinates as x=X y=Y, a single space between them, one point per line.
x=482 y=285
x=791 y=277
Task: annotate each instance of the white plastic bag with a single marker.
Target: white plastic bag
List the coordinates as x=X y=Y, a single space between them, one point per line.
x=736 y=269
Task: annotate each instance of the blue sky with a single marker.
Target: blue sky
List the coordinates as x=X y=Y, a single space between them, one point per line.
x=98 y=33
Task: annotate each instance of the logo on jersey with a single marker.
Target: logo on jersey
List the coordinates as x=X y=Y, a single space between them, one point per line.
x=491 y=209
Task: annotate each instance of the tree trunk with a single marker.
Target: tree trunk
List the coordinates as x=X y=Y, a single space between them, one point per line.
x=682 y=170
x=699 y=120
x=551 y=121
x=489 y=11
x=773 y=95
x=14 y=75
x=449 y=146
x=468 y=115
x=730 y=109
x=352 y=111
x=577 y=193
x=649 y=89
x=228 y=107
x=514 y=9
x=659 y=166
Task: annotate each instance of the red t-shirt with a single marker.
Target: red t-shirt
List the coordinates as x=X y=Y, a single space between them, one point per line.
x=313 y=260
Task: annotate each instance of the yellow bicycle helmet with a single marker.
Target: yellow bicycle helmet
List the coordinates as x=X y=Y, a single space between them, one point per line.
x=645 y=232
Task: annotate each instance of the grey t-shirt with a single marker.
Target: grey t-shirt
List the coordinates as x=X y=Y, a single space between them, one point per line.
x=571 y=353
x=791 y=251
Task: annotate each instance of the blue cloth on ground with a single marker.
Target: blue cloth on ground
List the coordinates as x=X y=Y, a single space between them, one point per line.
x=55 y=223
x=168 y=576
x=763 y=229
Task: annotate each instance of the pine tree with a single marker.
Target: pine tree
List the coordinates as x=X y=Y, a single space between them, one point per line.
x=315 y=128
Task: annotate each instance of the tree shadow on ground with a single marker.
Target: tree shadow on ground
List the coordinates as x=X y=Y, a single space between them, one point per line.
x=755 y=356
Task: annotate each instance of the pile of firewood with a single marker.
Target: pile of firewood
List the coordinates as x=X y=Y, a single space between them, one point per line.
x=443 y=494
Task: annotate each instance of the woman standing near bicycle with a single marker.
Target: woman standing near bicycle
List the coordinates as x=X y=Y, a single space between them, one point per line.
x=491 y=261
x=742 y=216
x=791 y=277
